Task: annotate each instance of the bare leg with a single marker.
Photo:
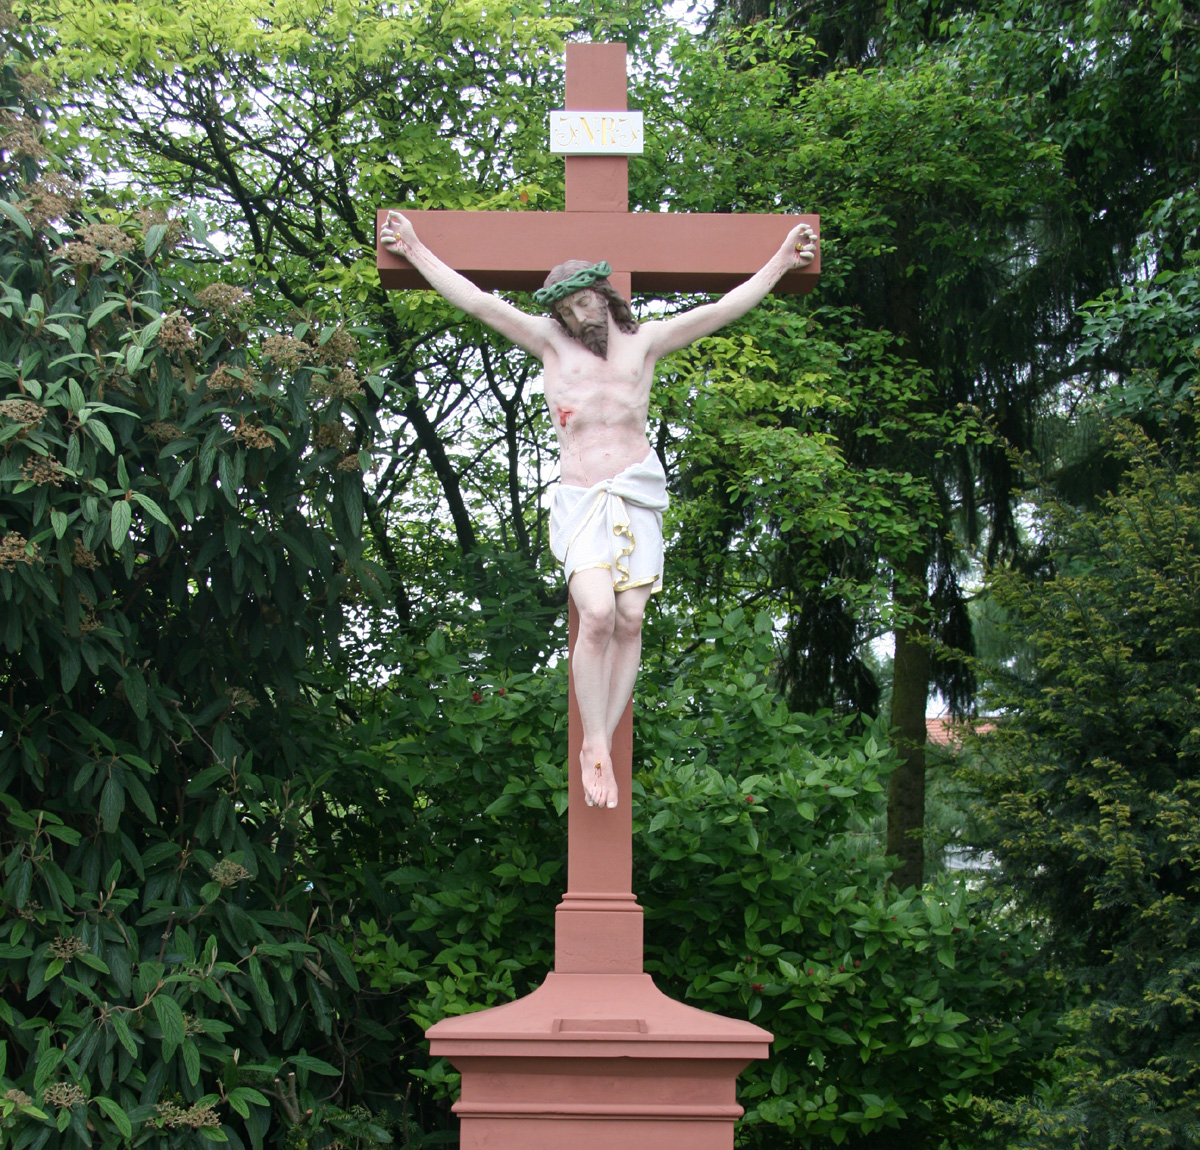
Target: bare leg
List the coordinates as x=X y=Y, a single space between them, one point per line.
x=604 y=666
x=591 y=669
x=626 y=653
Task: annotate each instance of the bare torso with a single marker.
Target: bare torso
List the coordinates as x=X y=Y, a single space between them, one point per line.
x=598 y=406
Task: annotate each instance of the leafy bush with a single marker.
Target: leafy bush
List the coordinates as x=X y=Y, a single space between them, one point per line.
x=1091 y=785
x=891 y=1010
x=177 y=539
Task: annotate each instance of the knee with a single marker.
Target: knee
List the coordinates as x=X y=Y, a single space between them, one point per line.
x=597 y=622
x=627 y=625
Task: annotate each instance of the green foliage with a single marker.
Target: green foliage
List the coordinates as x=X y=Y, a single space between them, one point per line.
x=178 y=532
x=1091 y=784
x=249 y=871
x=1147 y=330
x=890 y=1011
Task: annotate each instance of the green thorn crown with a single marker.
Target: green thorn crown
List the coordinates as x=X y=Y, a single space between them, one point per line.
x=584 y=278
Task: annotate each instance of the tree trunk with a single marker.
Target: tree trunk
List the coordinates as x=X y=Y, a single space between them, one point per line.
x=910 y=694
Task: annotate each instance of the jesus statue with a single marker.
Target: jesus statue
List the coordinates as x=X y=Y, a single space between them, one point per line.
x=606 y=516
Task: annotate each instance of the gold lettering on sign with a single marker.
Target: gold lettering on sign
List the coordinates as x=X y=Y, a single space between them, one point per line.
x=596 y=133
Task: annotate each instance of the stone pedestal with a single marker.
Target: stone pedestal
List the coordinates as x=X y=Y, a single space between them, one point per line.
x=597 y=1058
x=597 y=1062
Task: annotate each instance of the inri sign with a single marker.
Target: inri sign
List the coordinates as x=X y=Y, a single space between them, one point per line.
x=596 y=133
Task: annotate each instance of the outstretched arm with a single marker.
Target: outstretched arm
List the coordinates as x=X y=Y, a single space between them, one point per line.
x=527 y=331
x=797 y=251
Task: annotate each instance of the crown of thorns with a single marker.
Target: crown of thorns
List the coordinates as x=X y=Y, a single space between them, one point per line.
x=584 y=278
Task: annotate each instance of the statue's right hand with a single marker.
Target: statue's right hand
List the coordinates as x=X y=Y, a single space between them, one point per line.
x=397 y=233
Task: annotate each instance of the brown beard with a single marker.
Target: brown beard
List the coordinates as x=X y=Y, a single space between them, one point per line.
x=594 y=336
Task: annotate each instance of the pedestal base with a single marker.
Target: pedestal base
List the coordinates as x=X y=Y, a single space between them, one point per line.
x=597 y=1061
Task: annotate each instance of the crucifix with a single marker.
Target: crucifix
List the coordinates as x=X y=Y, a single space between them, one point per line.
x=598 y=1005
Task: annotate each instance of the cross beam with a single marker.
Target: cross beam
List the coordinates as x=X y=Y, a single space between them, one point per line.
x=660 y=252
x=648 y=251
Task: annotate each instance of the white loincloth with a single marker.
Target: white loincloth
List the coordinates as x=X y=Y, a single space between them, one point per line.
x=616 y=525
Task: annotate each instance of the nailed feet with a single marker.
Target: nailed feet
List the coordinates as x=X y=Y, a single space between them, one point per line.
x=599 y=783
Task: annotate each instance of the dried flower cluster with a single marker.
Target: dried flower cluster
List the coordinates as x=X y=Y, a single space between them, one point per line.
x=338 y=349
x=287 y=351
x=31 y=83
x=23 y=411
x=350 y=462
x=43 y=472
x=341 y=386
x=49 y=198
x=223 y=299
x=83 y=557
x=17 y=1097
x=88 y=621
x=64 y=1095
x=109 y=237
x=221 y=378
x=335 y=434
x=162 y=432
x=242 y=699
x=173 y=1115
x=176 y=336
x=253 y=435
x=67 y=946
x=80 y=253
x=18 y=138
x=14 y=549
x=228 y=873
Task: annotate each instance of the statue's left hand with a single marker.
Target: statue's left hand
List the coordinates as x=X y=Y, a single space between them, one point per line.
x=800 y=248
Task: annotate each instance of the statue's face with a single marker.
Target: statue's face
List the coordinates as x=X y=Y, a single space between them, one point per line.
x=582 y=309
x=586 y=315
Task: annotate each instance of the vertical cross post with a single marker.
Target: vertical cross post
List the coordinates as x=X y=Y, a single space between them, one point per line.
x=596 y=82
x=598 y=924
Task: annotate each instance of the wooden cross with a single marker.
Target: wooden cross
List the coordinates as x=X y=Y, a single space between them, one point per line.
x=598 y=925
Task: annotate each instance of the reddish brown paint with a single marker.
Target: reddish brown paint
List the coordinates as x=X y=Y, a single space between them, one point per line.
x=654 y=251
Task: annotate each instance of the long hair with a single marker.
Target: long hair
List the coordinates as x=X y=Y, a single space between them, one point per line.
x=618 y=305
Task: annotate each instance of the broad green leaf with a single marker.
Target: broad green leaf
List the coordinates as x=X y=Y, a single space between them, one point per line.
x=122 y=517
x=779 y=1079
x=17 y=216
x=305 y=1061
x=112 y=804
x=101 y=434
x=155 y=235
x=104 y=309
x=191 y=1060
x=119 y=1024
x=148 y=504
x=170 y=1018
x=116 y=1113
